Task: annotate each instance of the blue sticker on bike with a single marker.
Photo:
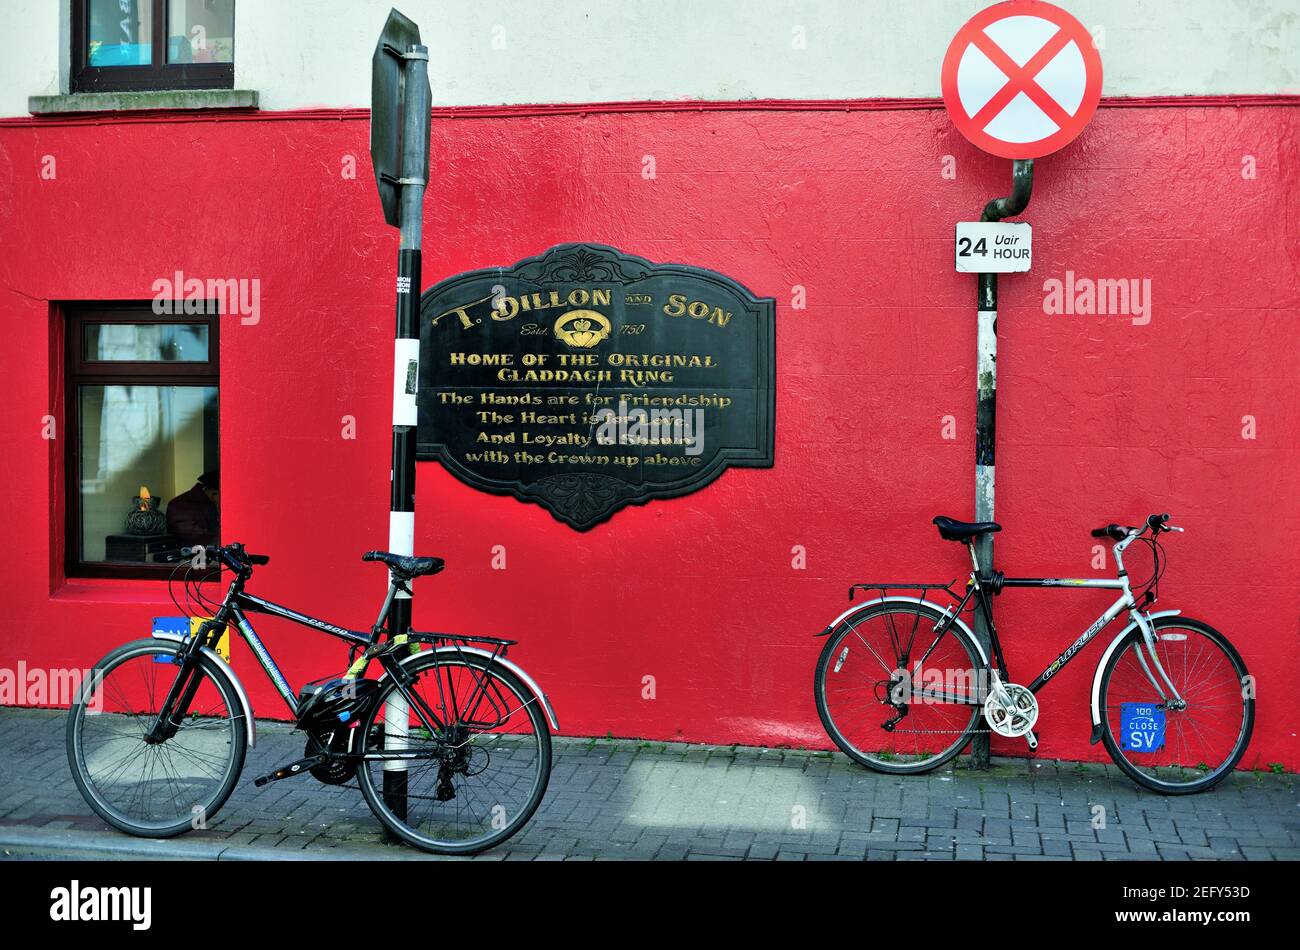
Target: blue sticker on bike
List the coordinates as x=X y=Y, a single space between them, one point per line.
x=170 y=627
x=1142 y=727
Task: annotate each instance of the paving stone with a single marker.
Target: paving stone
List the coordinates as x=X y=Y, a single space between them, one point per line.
x=623 y=799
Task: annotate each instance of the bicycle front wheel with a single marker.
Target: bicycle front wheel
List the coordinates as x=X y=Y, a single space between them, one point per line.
x=887 y=704
x=147 y=788
x=1205 y=735
x=477 y=776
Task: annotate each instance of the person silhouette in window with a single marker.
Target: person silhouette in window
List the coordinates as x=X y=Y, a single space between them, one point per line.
x=193 y=516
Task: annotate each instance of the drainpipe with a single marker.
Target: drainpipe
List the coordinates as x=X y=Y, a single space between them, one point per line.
x=1022 y=183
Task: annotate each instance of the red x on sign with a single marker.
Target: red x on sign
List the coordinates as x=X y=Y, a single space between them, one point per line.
x=1021 y=79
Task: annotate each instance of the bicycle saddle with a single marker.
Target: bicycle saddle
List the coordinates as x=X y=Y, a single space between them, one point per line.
x=405 y=566
x=952 y=530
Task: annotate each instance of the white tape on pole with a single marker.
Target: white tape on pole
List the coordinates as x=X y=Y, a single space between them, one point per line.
x=401 y=537
x=406 y=374
x=401 y=532
x=397 y=730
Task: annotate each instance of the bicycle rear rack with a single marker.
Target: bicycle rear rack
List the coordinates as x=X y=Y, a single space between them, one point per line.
x=499 y=646
x=884 y=589
x=485 y=691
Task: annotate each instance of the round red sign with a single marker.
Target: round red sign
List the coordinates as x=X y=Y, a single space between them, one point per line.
x=1022 y=79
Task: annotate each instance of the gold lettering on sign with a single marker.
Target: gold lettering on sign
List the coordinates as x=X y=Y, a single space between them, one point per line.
x=507 y=308
x=678 y=306
x=466 y=321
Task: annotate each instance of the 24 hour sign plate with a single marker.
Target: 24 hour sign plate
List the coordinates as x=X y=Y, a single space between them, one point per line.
x=993 y=247
x=585 y=380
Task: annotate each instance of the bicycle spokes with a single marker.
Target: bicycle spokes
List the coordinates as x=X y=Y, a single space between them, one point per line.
x=882 y=703
x=475 y=771
x=1184 y=741
x=144 y=777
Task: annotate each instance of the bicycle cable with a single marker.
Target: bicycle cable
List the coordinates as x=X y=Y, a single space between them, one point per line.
x=208 y=606
x=172 y=593
x=1151 y=586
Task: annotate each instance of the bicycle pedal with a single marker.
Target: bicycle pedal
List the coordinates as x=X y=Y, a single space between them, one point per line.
x=293 y=768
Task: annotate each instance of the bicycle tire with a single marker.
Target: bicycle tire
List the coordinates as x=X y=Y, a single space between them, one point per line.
x=374 y=795
x=1212 y=776
x=88 y=786
x=836 y=733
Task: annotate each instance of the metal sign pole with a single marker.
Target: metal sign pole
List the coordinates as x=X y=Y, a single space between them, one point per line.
x=406 y=366
x=399 y=147
x=1022 y=183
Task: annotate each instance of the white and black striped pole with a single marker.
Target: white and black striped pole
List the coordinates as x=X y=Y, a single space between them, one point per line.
x=400 y=143
x=1022 y=183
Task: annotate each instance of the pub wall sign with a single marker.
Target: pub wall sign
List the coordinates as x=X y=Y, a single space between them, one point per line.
x=586 y=379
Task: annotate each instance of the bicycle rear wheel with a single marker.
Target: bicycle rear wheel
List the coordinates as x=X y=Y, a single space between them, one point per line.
x=483 y=770
x=1204 y=741
x=154 y=789
x=861 y=697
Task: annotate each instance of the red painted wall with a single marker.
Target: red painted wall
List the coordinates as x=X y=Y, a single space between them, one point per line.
x=1099 y=419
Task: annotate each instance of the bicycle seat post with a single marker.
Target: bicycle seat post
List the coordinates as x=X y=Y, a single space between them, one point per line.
x=394 y=585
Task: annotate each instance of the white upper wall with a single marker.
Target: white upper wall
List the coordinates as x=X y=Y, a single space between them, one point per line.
x=37 y=47
x=300 y=54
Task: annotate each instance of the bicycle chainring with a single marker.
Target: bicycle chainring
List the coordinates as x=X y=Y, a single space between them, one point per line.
x=1014 y=714
x=337 y=770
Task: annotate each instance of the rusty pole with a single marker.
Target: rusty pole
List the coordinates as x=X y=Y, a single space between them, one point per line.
x=1022 y=183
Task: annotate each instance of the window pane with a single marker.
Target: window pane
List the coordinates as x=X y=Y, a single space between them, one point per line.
x=145 y=342
x=158 y=439
x=201 y=31
x=120 y=32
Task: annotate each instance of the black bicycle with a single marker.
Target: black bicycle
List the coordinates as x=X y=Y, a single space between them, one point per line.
x=450 y=745
x=902 y=681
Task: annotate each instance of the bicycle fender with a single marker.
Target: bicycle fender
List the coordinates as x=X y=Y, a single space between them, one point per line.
x=1101 y=665
x=224 y=667
x=511 y=666
x=839 y=621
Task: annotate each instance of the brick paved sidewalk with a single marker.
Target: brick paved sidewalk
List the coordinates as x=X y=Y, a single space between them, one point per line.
x=629 y=799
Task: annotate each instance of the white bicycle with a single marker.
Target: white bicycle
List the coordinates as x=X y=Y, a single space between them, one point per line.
x=903 y=684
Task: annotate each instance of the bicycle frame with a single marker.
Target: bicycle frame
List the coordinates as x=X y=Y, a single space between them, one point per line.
x=980 y=590
x=232 y=612
x=241 y=601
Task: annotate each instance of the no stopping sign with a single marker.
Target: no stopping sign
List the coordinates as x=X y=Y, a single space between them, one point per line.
x=1022 y=79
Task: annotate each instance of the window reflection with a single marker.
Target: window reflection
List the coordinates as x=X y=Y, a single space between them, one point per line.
x=120 y=32
x=201 y=31
x=146 y=342
x=159 y=438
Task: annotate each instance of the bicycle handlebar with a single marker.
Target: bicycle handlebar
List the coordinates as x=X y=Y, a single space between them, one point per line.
x=1118 y=532
x=232 y=555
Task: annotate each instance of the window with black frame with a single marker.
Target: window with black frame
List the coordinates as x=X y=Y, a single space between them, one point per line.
x=125 y=45
x=143 y=476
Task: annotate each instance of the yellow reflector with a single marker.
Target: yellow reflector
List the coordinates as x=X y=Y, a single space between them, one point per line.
x=223 y=645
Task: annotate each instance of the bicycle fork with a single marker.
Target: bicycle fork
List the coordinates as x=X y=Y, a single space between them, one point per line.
x=183 y=690
x=1149 y=644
